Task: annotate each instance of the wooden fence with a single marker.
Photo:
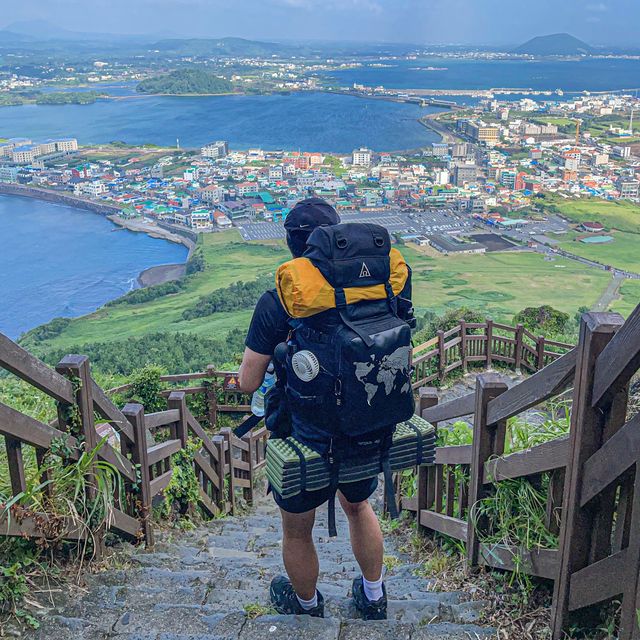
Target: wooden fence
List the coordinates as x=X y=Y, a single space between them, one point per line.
x=225 y=465
x=593 y=501
x=218 y=388
x=483 y=343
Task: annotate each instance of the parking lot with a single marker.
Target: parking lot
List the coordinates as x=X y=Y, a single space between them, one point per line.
x=414 y=223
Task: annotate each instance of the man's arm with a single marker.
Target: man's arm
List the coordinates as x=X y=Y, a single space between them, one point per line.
x=252 y=370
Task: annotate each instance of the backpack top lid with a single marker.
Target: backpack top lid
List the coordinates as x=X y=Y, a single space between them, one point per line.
x=351 y=254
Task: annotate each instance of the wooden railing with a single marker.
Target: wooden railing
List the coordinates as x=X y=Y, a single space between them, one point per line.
x=593 y=501
x=219 y=388
x=225 y=465
x=486 y=343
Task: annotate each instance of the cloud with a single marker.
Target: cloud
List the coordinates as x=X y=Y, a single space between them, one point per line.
x=597 y=7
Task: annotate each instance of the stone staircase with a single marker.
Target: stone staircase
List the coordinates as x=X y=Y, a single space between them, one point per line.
x=213 y=584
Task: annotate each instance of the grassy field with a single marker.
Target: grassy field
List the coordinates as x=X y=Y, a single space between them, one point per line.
x=501 y=284
x=622 y=252
x=630 y=297
x=620 y=214
x=497 y=284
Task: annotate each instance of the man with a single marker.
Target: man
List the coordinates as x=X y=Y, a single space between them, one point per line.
x=298 y=594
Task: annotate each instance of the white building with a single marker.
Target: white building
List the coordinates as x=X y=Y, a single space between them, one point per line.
x=211 y=194
x=362 y=157
x=215 y=150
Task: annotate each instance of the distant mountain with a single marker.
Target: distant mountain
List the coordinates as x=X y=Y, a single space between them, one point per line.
x=10 y=37
x=43 y=30
x=219 y=46
x=557 y=44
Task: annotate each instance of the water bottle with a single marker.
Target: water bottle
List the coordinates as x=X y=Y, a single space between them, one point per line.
x=257 y=401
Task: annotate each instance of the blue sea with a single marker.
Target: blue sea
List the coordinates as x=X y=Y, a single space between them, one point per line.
x=309 y=121
x=59 y=261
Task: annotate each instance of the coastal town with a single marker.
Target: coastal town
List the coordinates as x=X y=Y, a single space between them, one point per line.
x=485 y=186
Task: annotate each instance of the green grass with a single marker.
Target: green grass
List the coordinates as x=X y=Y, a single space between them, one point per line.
x=622 y=252
x=228 y=260
x=620 y=214
x=630 y=297
x=499 y=285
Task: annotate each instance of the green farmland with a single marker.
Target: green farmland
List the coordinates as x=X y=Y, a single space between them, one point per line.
x=498 y=284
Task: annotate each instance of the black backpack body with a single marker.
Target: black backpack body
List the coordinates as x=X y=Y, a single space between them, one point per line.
x=359 y=355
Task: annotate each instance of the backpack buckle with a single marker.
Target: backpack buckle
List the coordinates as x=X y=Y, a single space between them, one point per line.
x=337 y=389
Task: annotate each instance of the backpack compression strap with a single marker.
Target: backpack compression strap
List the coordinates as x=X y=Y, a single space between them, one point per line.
x=389 y=491
x=252 y=421
x=341 y=306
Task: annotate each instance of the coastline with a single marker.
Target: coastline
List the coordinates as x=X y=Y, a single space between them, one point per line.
x=147 y=277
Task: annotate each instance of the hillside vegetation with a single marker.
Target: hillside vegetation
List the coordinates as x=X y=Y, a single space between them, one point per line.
x=185 y=81
x=204 y=319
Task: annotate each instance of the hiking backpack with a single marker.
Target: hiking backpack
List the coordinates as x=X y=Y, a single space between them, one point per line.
x=346 y=368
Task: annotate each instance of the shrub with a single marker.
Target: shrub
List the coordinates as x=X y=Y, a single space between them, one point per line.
x=543 y=319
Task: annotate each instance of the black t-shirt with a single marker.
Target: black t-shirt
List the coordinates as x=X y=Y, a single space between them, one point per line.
x=269 y=325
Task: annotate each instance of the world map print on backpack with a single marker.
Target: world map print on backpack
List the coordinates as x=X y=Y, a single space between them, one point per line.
x=348 y=359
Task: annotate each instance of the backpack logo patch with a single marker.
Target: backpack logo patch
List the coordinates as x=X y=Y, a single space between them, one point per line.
x=364 y=272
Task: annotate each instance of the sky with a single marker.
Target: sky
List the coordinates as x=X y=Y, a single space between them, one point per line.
x=413 y=21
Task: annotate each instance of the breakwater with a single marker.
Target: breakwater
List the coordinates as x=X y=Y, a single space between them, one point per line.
x=57 y=197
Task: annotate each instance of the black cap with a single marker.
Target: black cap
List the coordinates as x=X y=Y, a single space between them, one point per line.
x=306 y=216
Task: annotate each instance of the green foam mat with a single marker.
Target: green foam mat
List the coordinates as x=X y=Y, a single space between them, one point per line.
x=283 y=462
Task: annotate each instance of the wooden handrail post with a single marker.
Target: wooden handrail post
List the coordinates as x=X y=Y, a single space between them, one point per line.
x=540 y=353
x=442 y=356
x=463 y=344
x=227 y=435
x=428 y=397
x=489 y=342
x=248 y=456
x=178 y=400
x=219 y=443
x=488 y=440
x=211 y=395
x=518 y=348
x=138 y=452
x=77 y=369
x=585 y=438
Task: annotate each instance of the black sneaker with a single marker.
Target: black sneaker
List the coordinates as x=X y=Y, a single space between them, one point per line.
x=285 y=601
x=369 y=610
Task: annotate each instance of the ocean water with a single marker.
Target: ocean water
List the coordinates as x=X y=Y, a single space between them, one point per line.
x=589 y=74
x=308 y=121
x=59 y=261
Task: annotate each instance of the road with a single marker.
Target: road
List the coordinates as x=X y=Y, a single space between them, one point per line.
x=610 y=294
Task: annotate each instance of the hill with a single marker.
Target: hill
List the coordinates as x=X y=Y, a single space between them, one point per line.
x=218 y=47
x=557 y=44
x=185 y=81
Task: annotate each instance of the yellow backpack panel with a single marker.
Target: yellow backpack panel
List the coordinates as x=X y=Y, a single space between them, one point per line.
x=304 y=292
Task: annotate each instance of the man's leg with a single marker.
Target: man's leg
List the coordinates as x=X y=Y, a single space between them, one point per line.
x=299 y=552
x=366 y=537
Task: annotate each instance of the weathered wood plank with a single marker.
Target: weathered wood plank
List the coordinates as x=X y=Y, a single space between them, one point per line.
x=539 y=387
x=197 y=429
x=113 y=457
x=36 y=527
x=161 y=482
x=110 y=412
x=462 y=406
x=598 y=582
x=207 y=469
x=30 y=431
x=125 y=524
x=460 y=454
x=16 y=465
x=27 y=367
x=207 y=503
x=444 y=524
x=163 y=450
x=161 y=418
x=541 y=562
x=409 y=504
x=544 y=457
x=609 y=462
x=619 y=360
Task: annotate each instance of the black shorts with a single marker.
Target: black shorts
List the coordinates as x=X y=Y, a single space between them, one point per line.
x=307 y=500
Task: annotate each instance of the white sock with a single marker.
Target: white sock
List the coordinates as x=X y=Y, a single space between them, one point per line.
x=307 y=605
x=373 y=590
